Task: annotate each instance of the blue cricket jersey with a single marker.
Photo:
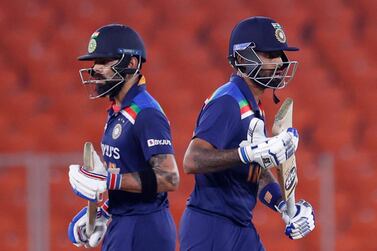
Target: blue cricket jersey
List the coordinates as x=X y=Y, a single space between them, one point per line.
x=134 y=133
x=224 y=122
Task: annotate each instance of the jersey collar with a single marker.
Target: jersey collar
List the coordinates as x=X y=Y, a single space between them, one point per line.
x=241 y=84
x=131 y=94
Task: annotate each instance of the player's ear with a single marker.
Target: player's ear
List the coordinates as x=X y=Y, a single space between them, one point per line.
x=133 y=62
x=239 y=59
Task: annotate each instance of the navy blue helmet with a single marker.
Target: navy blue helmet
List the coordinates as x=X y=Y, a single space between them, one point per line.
x=113 y=42
x=261 y=34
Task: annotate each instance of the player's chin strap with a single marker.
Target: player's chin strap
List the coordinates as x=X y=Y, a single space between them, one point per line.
x=275 y=97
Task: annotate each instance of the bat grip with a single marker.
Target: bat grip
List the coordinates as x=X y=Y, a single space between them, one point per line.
x=291 y=206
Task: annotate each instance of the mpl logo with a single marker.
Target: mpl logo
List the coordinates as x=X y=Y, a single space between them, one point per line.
x=158 y=142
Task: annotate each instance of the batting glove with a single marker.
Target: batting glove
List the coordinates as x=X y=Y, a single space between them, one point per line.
x=86 y=184
x=91 y=184
x=77 y=227
x=272 y=152
x=302 y=223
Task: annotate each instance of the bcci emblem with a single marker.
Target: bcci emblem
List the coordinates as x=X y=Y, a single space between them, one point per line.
x=279 y=33
x=92 y=45
x=117 y=131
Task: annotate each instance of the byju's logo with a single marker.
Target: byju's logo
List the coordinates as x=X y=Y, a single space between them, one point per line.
x=158 y=142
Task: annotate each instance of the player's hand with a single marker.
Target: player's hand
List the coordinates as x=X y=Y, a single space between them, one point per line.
x=302 y=223
x=77 y=228
x=88 y=185
x=271 y=152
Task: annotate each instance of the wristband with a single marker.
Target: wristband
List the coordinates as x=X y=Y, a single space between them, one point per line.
x=114 y=181
x=271 y=195
x=244 y=154
x=148 y=183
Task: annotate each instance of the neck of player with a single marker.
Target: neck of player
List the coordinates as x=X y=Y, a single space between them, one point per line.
x=255 y=89
x=126 y=87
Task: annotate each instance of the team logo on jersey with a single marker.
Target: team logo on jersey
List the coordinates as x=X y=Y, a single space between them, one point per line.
x=279 y=33
x=117 y=131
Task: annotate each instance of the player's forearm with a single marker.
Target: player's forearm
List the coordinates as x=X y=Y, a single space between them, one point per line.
x=269 y=192
x=131 y=182
x=165 y=170
x=201 y=157
x=265 y=178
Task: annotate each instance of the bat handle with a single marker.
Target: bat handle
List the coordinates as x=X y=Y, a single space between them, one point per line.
x=291 y=206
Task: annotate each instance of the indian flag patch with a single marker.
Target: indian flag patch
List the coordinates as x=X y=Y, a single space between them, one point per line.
x=245 y=109
x=131 y=112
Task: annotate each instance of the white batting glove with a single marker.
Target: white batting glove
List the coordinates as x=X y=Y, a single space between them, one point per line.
x=302 y=223
x=272 y=152
x=89 y=184
x=77 y=228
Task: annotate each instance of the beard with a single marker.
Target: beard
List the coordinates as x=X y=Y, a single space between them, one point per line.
x=108 y=89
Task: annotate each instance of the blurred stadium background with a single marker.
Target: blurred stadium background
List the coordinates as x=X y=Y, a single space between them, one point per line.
x=45 y=114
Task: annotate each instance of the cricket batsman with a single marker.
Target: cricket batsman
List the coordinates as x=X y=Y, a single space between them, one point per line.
x=139 y=166
x=230 y=153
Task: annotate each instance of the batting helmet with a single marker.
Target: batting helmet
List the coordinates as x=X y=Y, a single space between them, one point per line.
x=112 y=42
x=261 y=34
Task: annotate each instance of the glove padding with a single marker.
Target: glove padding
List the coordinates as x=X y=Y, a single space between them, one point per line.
x=302 y=223
x=89 y=185
x=271 y=152
x=77 y=228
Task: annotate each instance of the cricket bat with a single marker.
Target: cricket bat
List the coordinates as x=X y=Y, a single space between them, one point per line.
x=287 y=172
x=92 y=206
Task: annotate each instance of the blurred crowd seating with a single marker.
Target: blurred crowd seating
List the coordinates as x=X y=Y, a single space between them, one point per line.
x=45 y=108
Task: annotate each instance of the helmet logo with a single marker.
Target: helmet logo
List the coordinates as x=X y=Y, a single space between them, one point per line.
x=279 y=33
x=92 y=45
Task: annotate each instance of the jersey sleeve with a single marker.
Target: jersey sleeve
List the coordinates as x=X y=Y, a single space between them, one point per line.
x=219 y=121
x=152 y=130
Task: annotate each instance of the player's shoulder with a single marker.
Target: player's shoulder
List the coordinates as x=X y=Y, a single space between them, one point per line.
x=229 y=90
x=144 y=100
x=230 y=97
x=143 y=105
